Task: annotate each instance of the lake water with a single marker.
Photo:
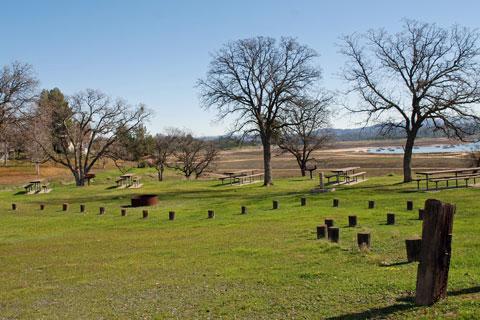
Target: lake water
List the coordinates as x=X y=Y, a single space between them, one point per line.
x=440 y=148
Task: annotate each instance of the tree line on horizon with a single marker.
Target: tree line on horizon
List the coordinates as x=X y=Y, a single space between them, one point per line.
x=422 y=79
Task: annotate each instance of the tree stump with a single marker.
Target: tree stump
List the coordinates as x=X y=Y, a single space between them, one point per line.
x=303 y=202
x=14 y=206
x=335 y=202
x=145 y=213
x=321 y=231
x=65 y=207
x=275 y=204
x=124 y=212
x=211 y=214
x=171 y=215
x=414 y=246
x=244 y=210
x=409 y=205
x=42 y=207
x=435 y=252
x=334 y=234
x=102 y=210
x=352 y=221
x=371 y=204
x=82 y=208
x=363 y=240
x=391 y=218
x=329 y=222
x=420 y=214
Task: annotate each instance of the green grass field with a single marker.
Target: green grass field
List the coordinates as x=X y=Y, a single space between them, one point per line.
x=267 y=264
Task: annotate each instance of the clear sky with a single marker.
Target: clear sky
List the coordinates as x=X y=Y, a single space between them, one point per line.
x=154 y=51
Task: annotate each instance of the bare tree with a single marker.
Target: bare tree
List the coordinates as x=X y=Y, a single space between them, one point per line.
x=309 y=133
x=193 y=156
x=164 y=148
x=17 y=91
x=255 y=81
x=422 y=76
x=92 y=125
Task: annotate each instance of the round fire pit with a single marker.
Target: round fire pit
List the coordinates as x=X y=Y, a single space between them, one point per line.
x=144 y=200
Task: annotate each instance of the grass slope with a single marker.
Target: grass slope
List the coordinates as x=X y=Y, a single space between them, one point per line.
x=266 y=264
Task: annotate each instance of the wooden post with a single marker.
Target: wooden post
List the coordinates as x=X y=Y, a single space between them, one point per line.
x=145 y=214
x=334 y=234
x=14 y=206
x=363 y=240
x=42 y=207
x=275 y=204
x=65 y=207
x=432 y=276
x=390 y=218
x=303 y=202
x=335 y=202
x=352 y=221
x=244 y=210
x=329 y=222
x=82 y=208
x=211 y=214
x=321 y=231
x=322 y=180
x=414 y=246
x=371 y=204
x=420 y=214
x=102 y=210
x=409 y=205
x=171 y=215
x=124 y=212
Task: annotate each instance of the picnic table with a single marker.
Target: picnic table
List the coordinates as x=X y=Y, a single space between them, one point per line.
x=232 y=175
x=344 y=172
x=36 y=184
x=437 y=176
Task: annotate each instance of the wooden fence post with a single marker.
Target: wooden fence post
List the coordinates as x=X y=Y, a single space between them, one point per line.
x=171 y=215
x=414 y=246
x=65 y=207
x=363 y=239
x=244 y=210
x=321 y=231
x=14 y=206
x=390 y=218
x=371 y=204
x=329 y=222
x=303 y=202
x=42 y=207
x=211 y=214
x=432 y=276
x=409 y=205
x=102 y=210
x=145 y=213
x=82 y=208
x=352 y=221
x=124 y=212
x=334 y=234
x=275 y=204
x=335 y=202
x=420 y=214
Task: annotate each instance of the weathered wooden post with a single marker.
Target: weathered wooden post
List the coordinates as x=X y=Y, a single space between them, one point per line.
x=102 y=210
x=334 y=234
x=420 y=214
x=145 y=213
x=65 y=207
x=371 y=204
x=409 y=205
x=390 y=218
x=171 y=215
x=435 y=253
x=329 y=222
x=335 y=202
x=14 y=206
x=244 y=210
x=124 y=212
x=363 y=240
x=352 y=221
x=414 y=246
x=82 y=208
x=42 y=207
x=211 y=214
x=321 y=231
x=275 y=204
x=303 y=202
x=322 y=180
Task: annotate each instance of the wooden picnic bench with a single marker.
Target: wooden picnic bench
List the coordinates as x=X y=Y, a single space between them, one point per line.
x=343 y=173
x=446 y=175
x=250 y=178
x=232 y=175
x=119 y=182
x=355 y=176
x=45 y=186
x=28 y=187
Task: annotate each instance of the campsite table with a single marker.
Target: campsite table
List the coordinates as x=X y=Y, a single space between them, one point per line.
x=343 y=172
x=128 y=178
x=36 y=184
x=89 y=176
x=233 y=174
x=427 y=174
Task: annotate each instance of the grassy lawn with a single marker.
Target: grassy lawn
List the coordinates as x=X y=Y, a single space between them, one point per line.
x=266 y=264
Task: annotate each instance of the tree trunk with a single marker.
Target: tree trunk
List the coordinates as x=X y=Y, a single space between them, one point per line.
x=304 y=173
x=5 y=157
x=267 y=156
x=407 y=157
x=37 y=168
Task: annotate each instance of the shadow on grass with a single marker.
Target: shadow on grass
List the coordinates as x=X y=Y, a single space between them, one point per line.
x=464 y=291
x=395 y=264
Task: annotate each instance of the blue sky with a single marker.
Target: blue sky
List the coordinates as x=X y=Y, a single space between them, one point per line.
x=154 y=51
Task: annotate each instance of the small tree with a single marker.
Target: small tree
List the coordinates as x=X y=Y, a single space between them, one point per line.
x=194 y=156
x=311 y=118
x=422 y=76
x=163 y=148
